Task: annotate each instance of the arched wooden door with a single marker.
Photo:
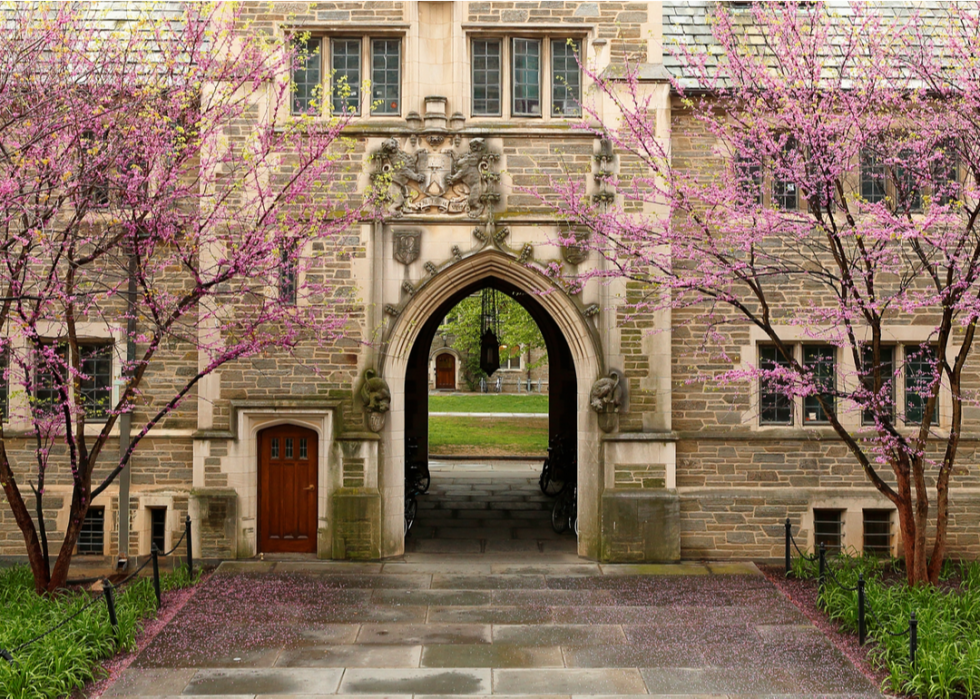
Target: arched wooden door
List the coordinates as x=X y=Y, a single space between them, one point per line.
x=446 y=371
x=287 y=490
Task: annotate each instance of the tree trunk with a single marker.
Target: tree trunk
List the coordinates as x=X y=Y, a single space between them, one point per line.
x=907 y=527
x=59 y=575
x=25 y=522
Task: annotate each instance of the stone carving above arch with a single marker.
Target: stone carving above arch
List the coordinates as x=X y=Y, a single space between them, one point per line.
x=427 y=180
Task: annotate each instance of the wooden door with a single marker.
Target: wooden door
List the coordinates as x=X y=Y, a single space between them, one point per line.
x=287 y=490
x=446 y=371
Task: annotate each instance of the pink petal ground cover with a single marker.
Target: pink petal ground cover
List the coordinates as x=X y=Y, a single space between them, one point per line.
x=803 y=594
x=173 y=602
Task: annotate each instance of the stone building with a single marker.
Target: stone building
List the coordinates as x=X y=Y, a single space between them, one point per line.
x=469 y=104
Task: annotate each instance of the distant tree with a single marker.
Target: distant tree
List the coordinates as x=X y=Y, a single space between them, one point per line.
x=843 y=203
x=132 y=201
x=518 y=333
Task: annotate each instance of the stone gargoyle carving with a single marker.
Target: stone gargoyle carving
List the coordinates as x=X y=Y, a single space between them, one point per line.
x=377 y=399
x=401 y=169
x=607 y=398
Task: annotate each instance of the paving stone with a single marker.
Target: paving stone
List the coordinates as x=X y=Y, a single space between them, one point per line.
x=490 y=615
x=545 y=569
x=424 y=634
x=351 y=656
x=655 y=569
x=197 y=657
x=442 y=598
x=418 y=681
x=566 y=681
x=558 y=634
x=376 y=582
x=151 y=681
x=687 y=680
x=541 y=598
x=236 y=567
x=736 y=568
x=483 y=582
x=378 y=614
x=327 y=634
x=500 y=655
x=450 y=568
x=596 y=655
x=265 y=681
x=324 y=567
x=442 y=546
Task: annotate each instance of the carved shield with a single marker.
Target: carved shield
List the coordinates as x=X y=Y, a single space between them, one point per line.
x=407 y=244
x=576 y=254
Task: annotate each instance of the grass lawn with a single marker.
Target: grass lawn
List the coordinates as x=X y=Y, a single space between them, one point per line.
x=69 y=657
x=490 y=403
x=488 y=436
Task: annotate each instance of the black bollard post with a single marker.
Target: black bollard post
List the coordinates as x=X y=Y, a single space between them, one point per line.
x=109 y=593
x=862 y=628
x=789 y=533
x=913 y=638
x=822 y=569
x=190 y=548
x=155 y=552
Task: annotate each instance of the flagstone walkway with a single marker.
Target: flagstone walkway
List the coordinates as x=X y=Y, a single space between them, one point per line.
x=488 y=602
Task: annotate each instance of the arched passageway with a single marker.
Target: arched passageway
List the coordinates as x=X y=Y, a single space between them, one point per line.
x=574 y=364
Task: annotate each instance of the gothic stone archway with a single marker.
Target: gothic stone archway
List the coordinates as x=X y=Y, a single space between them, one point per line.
x=579 y=361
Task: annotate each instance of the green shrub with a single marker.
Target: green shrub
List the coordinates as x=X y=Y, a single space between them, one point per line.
x=67 y=658
x=947 y=662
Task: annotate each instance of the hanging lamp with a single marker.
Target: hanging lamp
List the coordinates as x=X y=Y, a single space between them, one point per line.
x=489 y=333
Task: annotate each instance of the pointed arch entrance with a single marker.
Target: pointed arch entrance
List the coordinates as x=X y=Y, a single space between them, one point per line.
x=575 y=361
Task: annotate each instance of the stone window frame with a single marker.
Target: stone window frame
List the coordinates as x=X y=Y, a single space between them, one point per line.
x=849 y=416
x=506 y=36
x=18 y=403
x=520 y=361
x=367 y=37
x=851 y=507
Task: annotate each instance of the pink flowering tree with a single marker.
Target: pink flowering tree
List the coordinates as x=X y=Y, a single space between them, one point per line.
x=837 y=205
x=161 y=212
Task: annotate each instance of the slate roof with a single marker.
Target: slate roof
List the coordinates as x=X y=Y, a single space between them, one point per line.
x=688 y=23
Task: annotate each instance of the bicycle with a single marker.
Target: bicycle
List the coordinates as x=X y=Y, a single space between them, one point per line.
x=552 y=478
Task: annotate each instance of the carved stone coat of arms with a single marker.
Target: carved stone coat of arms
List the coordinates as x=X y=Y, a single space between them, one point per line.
x=439 y=181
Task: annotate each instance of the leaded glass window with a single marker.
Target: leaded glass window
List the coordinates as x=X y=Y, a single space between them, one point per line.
x=872 y=177
x=775 y=405
x=819 y=360
x=306 y=75
x=95 y=386
x=486 y=77
x=386 y=76
x=566 y=80
x=906 y=187
x=784 y=191
x=920 y=363
x=345 y=66
x=887 y=355
x=526 y=74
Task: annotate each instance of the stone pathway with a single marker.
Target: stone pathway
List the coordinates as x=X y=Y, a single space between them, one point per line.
x=488 y=624
x=488 y=601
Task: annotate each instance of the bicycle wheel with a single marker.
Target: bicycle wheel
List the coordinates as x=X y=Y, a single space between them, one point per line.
x=424 y=479
x=559 y=515
x=411 y=509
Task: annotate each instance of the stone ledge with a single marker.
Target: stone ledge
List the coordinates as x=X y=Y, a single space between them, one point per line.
x=640 y=437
